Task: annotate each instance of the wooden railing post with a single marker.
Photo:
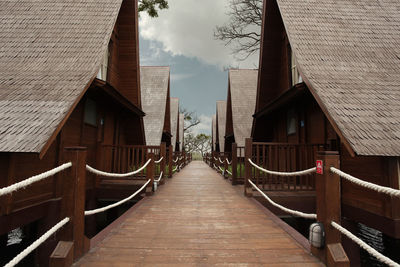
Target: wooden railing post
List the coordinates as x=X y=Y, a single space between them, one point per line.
x=163 y=154
x=248 y=191
x=226 y=167
x=234 y=164
x=170 y=158
x=73 y=199
x=150 y=174
x=328 y=209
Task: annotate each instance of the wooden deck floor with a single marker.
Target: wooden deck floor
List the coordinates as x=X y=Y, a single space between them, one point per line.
x=198 y=219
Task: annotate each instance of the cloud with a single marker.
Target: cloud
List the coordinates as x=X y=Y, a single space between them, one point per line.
x=187 y=28
x=204 y=126
x=181 y=76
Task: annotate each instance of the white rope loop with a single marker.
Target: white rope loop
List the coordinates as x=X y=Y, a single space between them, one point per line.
x=176 y=160
x=159 y=178
x=37 y=243
x=108 y=174
x=159 y=161
x=228 y=172
x=174 y=170
x=220 y=161
x=215 y=158
x=378 y=188
x=215 y=167
x=180 y=166
x=365 y=246
x=222 y=170
x=33 y=179
x=290 y=211
x=227 y=161
x=297 y=173
x=95 y=211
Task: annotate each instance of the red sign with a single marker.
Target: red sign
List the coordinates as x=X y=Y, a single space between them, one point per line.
x=320 y=169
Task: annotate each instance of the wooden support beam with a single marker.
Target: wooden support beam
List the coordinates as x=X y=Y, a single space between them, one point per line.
x=328 y=206
x=63 y=255
x=150 y=174
x=248 y=153
x=73 y=199
x=163 y=154
x=234 y=164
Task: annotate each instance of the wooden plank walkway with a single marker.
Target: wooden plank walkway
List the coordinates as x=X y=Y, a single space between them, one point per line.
x=198 y=219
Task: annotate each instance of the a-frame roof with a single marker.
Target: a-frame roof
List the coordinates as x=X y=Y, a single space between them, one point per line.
x=174 y=120
x=50 y=51
x=348 y=53
x=221 y=124
x=154 y=82
x=243 y=93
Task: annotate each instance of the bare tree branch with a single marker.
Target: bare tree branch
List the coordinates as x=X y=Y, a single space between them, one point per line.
x=242 y=32
x=190 y=118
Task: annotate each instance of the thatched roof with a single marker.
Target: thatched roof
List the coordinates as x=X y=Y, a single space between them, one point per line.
x=154 y=82
x=221 y=124
x=214 y=131
x=174 y=120
x=349 y=55
x=243 y=92
x=181 y=131
x=49 y=53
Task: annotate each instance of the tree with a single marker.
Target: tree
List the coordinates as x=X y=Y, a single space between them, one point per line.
x=190 y=118
x=243 y=29
x=200 y=143
x=152 y=6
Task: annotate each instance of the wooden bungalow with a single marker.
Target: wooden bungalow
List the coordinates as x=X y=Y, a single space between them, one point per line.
x=174 y=123
x=330 y=76
x=221 y=124
x=241 y=101
x=50 y=97
x=181 y=130
x=155 y=90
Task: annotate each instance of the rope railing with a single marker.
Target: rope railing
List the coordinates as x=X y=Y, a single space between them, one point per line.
x=215 y=167
x=227 y=161
x=222 y=170
x=14 y=187
x=176 y=160
x=228 y=172
x=220 y=161
x=215 y=158
x=159 y=178
x=175 y=169
x=95 y=211
x=372 y=186
x=159 y=161
x=108 y=174
x=37 y=243
x=382 y=258
x=297 y=173
x=180 y=166
x=290 y=211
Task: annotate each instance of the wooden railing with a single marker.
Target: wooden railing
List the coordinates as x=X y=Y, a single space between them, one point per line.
x=282 y=157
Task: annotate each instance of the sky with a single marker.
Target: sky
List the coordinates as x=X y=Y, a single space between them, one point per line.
x=182 y=38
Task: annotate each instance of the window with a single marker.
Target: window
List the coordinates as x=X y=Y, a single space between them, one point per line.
x=296 y=78
x=102 y=74
x=291 y=121
x=90 y=116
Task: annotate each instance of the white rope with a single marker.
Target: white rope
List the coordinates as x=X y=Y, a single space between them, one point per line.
x=378 y=188
x=220 y=161
x=108 y=174
x=33 y=179
x=215 y=167
x=222 y=170
x=298 y=173
x=229 y=172
x=215 y=159
x=227 y=161
x=174 y=170
x=180 y=158
x=91 y=212
x=290 y=211
x=175 y=161
x=180 y=166
x=159 y=161
x=159 y=178
x=362 y=244
x=37 y=243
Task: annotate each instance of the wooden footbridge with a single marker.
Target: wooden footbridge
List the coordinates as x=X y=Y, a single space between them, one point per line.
x=197 y=219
